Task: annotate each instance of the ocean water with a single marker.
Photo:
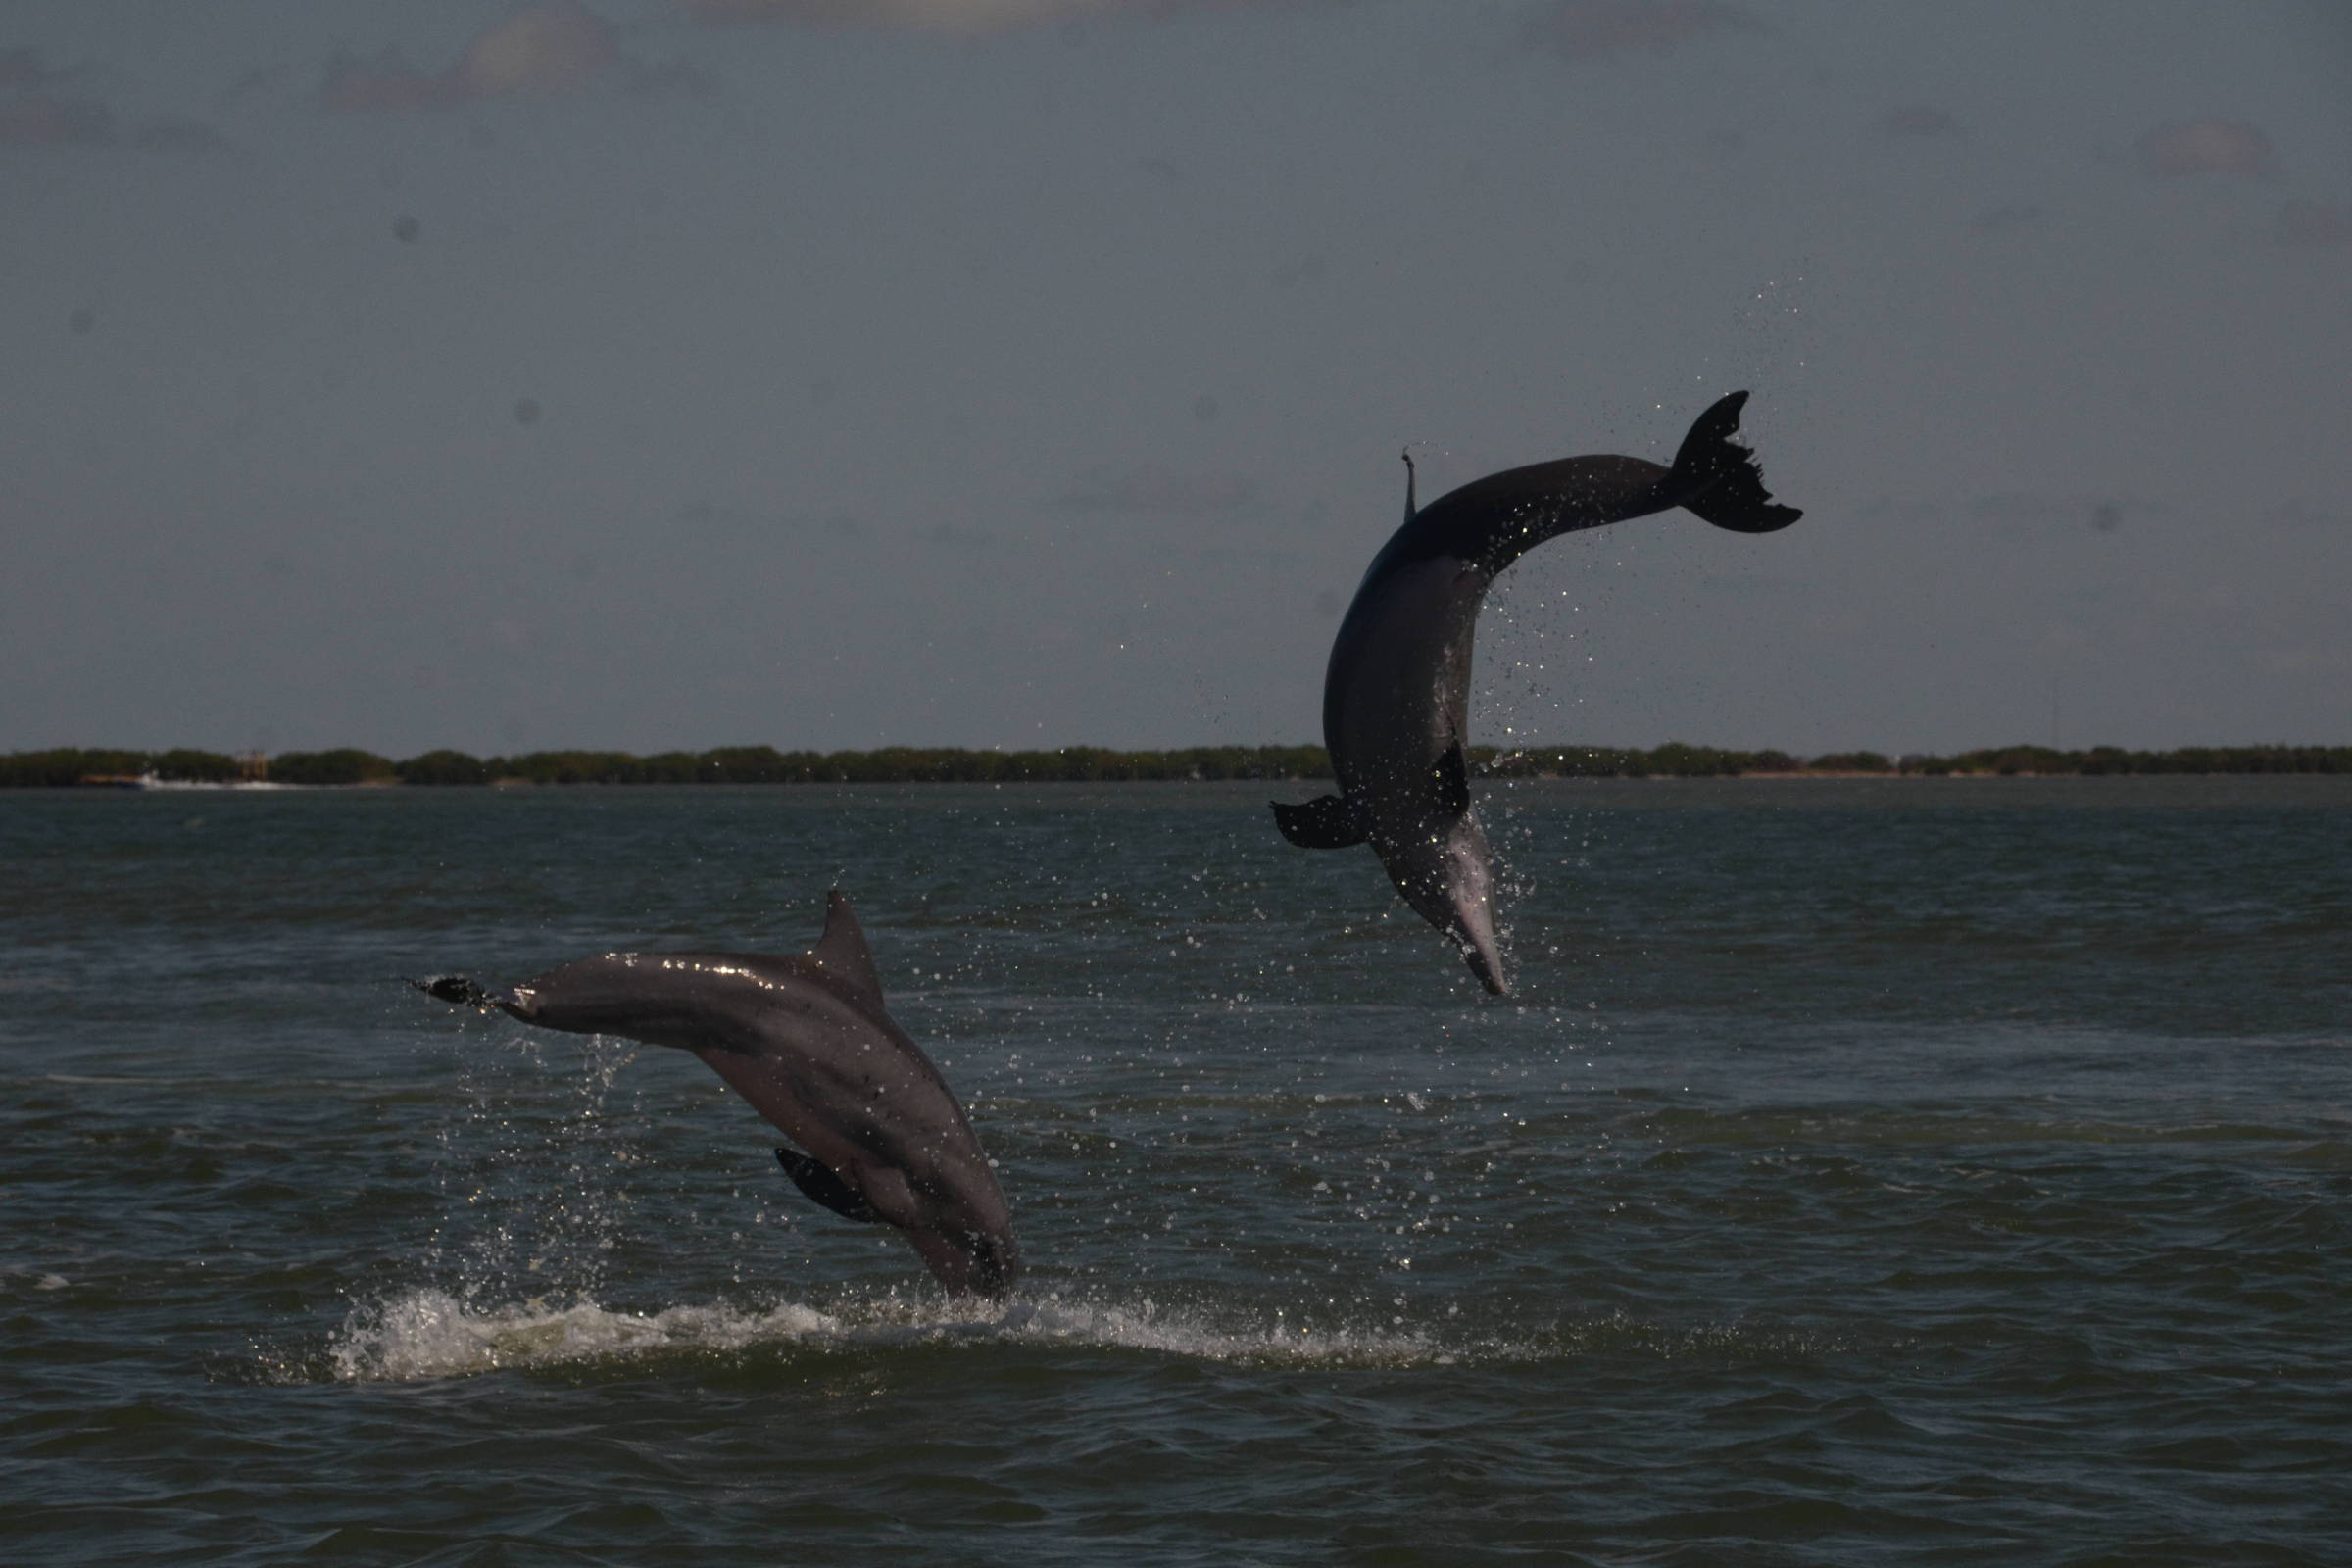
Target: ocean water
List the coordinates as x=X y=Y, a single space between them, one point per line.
x=1873 y=1173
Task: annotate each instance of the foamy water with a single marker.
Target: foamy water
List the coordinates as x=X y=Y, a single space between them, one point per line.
x=1906 y=1183
x=431 y=1334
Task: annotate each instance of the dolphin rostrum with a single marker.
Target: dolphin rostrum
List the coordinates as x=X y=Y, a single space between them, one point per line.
x=805 y=1038
x=1396 y=696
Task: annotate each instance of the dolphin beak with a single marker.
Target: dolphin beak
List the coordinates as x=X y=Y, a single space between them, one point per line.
x=465 y=993
x=453 y=988
x=968 y=1263
x=1488 y=966
x=996 y=1264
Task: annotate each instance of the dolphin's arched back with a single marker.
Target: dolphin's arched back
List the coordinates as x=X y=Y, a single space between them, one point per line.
x=805 y=1038
x=1397 y=693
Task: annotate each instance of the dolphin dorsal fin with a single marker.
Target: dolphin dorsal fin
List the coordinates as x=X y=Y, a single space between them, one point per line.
x=842 y=951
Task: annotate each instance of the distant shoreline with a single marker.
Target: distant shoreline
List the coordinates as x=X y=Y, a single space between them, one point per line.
x=184 y=769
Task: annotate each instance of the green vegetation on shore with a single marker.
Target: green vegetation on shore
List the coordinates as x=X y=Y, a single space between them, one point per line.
x=1677 y=760
x=907 y=764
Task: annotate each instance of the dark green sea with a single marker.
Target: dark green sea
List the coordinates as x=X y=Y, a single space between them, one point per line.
x=1896 y=1172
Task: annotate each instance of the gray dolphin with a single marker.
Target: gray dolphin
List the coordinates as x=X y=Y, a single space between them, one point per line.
x=805 y=1038
x=1397 y=695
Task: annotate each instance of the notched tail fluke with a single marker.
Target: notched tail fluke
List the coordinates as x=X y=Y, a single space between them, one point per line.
x=1720 y=480
x=1326 y=822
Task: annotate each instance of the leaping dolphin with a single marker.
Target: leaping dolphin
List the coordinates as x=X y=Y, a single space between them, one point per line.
x=805 y=1038
x=1397 y=695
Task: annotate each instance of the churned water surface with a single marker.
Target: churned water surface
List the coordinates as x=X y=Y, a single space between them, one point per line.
x=1870 y=1173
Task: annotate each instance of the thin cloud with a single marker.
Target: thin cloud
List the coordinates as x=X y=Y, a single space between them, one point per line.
x=2302 y=222
x=965 y=17
x=2206 y=147
x=664 y=78
x=178 y=135
x=23 y=67
x=962 y=19
x=1587 y=30
x=948 y=534
x=44 y=120
x=2007 y=219
x=560 y=46
x=2100 y=514
x=260 y=80
x=1906 y=120
x=2303 y=514
x=557 y=46
x=33 y=116
x=385 y=83
x=1156 y=492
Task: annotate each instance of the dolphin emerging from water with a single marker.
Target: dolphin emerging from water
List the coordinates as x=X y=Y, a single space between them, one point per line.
x=805 y=1038
x=1396 y=696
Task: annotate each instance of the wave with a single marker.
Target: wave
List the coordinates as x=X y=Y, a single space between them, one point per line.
x=428 y=1333
x=431 y=1334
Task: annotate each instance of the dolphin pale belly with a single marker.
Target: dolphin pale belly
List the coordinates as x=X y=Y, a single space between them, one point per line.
x=803 y=1037
x=1397 y=695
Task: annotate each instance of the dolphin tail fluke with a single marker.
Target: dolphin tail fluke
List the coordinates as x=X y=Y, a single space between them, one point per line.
x=1720 y=479
x=1327 y=822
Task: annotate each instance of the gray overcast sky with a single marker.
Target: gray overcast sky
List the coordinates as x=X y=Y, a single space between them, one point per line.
x=649 y=373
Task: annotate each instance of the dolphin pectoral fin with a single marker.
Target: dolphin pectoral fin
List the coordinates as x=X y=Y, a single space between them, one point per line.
x=842 y=948
x=1720 y=479
x=1453 y=780
x=826 y=1190
x=1327 y=822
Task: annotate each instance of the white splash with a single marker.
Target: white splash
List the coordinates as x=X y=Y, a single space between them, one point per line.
x=428 y=1334
x=431 y=1334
